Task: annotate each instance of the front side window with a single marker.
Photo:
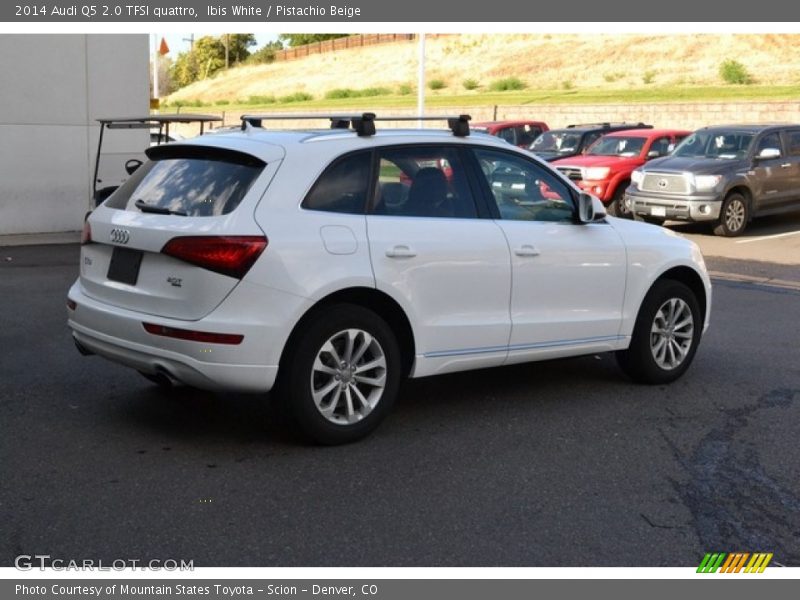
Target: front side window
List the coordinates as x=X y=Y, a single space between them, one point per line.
x=342 y=187
x=192 y=181
x=771 y=141
x=524 y=190
x=422 y=181
x=793 y=143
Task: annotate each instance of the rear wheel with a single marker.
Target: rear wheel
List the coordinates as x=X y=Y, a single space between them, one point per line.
x=733 y=216
x=665 y=336
x=341 y=375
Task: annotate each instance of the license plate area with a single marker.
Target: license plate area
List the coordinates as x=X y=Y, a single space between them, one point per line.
x=124 y=265
x=658 y=211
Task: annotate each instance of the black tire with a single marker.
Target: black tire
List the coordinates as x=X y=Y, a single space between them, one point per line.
x=639 y=361
x=617 y=205
x=733 y=216
x=298 y=376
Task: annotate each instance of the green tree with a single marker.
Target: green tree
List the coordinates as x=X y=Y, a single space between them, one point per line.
x=301 y=39
x=208 y=56
x=265 y=54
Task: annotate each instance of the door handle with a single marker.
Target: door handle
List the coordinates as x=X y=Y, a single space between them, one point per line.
x=400 y=251
x=527 y=250
x=786 y=165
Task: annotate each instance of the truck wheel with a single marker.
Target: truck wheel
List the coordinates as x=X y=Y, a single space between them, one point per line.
x=342 y=375
x=617 y=207
x=665 y=336
x=733 y=216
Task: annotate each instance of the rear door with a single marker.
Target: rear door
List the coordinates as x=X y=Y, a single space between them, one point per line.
x=188 y=204
x=433 y=250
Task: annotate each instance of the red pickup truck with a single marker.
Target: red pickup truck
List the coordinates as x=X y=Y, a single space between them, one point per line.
x=605 y=169
x=519 y=133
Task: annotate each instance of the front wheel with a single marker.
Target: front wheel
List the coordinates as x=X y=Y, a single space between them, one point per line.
x=733 y=216
x=665 y=336
x=342 y=374
x=618 y=207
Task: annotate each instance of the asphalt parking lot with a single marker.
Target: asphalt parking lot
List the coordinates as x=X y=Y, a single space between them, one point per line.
x=553 y=464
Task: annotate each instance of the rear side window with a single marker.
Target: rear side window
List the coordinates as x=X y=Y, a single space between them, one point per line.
x=189 y=181
x=342 y=187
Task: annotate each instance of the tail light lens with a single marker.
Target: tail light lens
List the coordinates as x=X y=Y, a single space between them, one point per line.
x=86 y=234
x=229 y=255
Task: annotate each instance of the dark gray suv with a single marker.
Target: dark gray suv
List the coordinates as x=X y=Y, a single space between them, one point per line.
x=725 y=175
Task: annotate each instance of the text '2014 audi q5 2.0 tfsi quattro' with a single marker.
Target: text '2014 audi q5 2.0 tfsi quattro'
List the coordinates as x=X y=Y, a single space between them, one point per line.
x=326 y=265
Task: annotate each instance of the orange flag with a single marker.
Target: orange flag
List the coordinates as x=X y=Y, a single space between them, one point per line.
x=163 y=49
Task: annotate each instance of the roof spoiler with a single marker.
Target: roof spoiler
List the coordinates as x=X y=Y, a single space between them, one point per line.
x=363 y=123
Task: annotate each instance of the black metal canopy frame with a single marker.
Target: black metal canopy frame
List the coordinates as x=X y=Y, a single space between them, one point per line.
x=162 y=121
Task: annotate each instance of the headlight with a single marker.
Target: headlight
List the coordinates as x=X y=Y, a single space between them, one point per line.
x=706 y=182
x=595 y=173
x=637 y=176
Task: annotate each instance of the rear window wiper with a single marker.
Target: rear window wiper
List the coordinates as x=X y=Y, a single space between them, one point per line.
x=160 y=210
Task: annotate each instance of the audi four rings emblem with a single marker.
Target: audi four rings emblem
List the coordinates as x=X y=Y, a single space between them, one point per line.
x=120 y=236
x=662 y=183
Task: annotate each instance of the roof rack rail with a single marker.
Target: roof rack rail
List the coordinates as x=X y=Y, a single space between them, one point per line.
x=605 y=124
x=362 y=123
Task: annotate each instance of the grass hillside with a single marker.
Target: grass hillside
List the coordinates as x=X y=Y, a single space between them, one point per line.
x=551 y=68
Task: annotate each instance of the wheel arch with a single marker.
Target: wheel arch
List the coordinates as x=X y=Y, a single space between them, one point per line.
x=691 y=279
x=372 y=299
x=746 y=192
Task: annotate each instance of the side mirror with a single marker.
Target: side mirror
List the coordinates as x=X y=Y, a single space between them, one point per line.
x=131 y=165
x=653 y=154
x=590 y=209
x=768 y=153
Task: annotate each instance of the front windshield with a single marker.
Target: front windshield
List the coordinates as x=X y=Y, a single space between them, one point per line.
x=557 y=142
x=627 y=146
x=716 y=144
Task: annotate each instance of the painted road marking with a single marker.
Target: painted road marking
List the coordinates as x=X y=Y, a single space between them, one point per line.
x=767 y=237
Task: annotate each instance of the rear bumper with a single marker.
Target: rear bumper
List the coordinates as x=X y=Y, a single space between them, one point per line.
x=119 y=335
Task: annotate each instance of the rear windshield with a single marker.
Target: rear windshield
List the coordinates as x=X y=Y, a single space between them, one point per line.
x=189 y=181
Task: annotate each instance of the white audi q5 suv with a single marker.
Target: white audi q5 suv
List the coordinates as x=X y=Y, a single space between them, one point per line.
x=326 y=265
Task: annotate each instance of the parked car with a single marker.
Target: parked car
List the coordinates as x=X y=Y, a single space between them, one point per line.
x=520 y=133
x=605 y=169
x=575 y=139
x=724 y=175
x=327 y=265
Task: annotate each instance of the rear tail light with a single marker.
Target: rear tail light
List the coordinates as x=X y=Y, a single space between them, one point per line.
x=86 y=234
x=228 y=255
x=194 y=336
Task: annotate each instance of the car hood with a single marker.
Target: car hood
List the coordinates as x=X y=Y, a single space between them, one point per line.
x=693 y=165
x=551 y=156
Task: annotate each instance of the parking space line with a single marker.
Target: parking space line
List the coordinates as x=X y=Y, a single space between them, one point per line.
x=767 y=237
